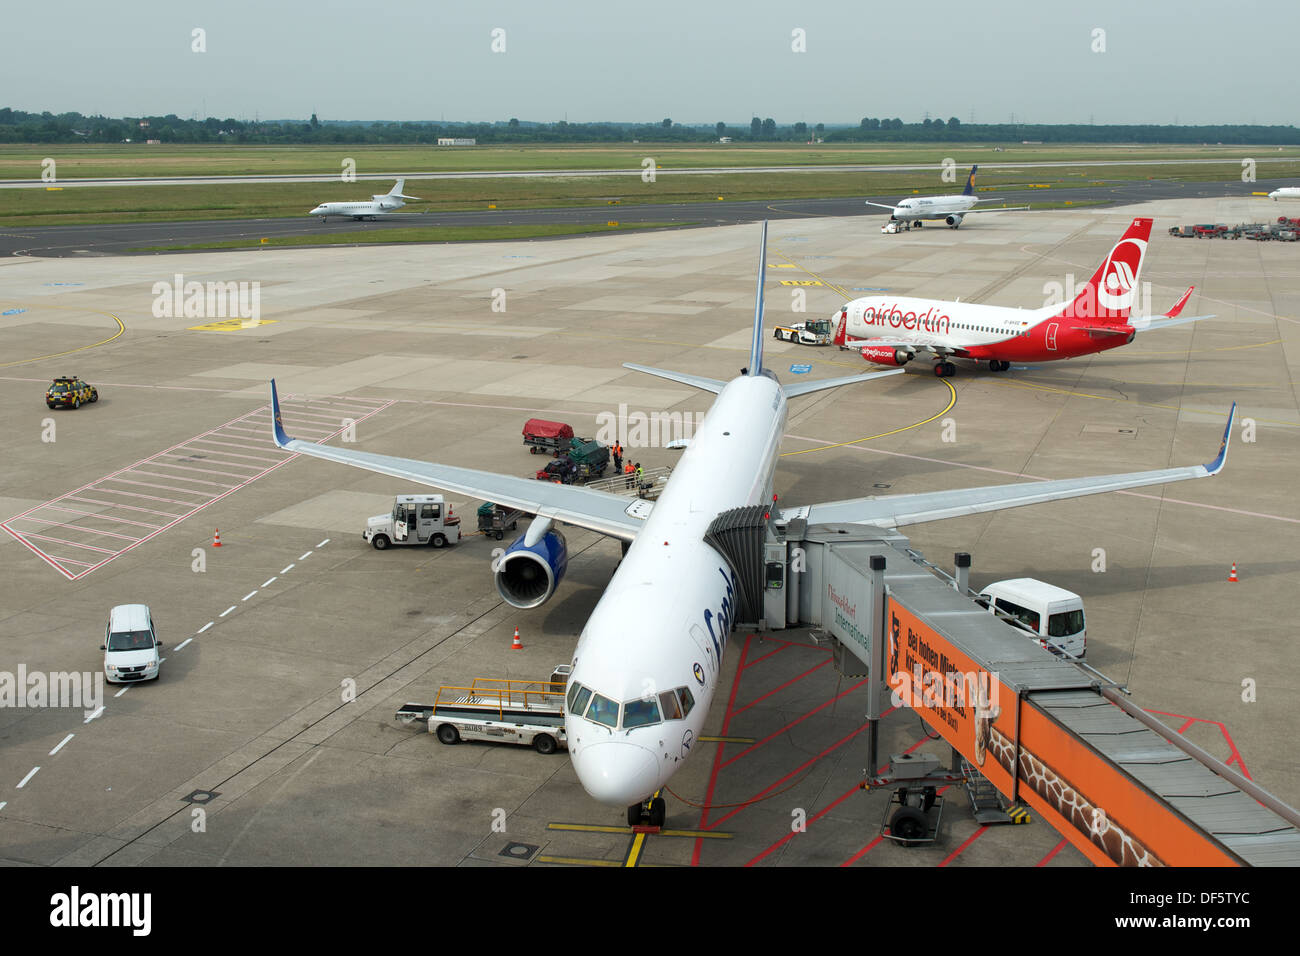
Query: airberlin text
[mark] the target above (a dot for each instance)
(931, 320)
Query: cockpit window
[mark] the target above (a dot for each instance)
(640, 713)
(669, 706)
(578, 697)
(684, 695)
(603, 711)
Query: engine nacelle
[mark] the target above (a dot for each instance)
(527, 577)
(884, 356)
(954, 221)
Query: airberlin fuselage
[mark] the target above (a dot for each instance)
(979, 331)
(663, 623)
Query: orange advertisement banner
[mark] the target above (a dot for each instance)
(1110, 817)
(959, 699)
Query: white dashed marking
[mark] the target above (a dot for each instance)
(227, 611)
(302, 557)
(28, 777)
(270, 581)
(183, 643)
(206, 626)
(249, 595)
(61, 743)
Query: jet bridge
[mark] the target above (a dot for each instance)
(1045, 730)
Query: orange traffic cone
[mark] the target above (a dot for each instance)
(216, 538)
(1232, 575)
(516, 646)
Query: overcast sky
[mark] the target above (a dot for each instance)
(1164, 61)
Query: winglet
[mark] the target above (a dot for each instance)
(1178, 306)
(1216, 466)
(277, 426)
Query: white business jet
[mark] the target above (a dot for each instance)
(378, 206)
(650, 657)
(951, 209)
(1286, 192)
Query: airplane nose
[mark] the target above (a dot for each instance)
(617, 773)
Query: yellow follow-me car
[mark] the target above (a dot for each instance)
(68, 390)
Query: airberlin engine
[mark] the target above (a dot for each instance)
(883, 356)
(528, 574)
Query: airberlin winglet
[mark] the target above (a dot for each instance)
(1178, 306)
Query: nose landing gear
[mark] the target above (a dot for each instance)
(647, 813)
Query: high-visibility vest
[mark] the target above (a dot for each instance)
(628, 469)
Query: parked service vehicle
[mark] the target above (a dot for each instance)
(498, 710)
(816, 332)
(415, 519)
(1054, 614)
(541, 435)
(68, 391)
(130, 645)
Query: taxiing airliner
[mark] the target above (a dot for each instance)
(650, 657)
(1286, 192)
(951, 209)
(895, 330)
(378, 205)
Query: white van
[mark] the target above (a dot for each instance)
(1054, 614)
(130, 645)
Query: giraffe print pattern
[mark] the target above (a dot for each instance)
(1107, 835)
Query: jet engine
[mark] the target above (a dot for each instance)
(954, 221)
(527, 575)
(884, 356)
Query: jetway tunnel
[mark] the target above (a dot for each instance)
(1046, 731)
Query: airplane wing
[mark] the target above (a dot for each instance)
(878, 205)
(600, 511)
(895, 511)
(695, 381)
(993, 209)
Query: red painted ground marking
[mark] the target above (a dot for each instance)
(969, 840)
(52, 514)
(809, 822)
(799, 677)
(717, 756)
(780, 780)
(768, 654)
(1051, 853)
(1223, 729)
(797, 720)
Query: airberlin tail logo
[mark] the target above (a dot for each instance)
(1120, 274)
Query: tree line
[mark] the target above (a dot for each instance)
(17, 126)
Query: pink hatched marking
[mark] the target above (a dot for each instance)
(59, 563)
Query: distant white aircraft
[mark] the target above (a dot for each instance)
(649, 659)
(378, 206)
(951, 209)
(1286, 192)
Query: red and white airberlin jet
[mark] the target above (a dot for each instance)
(894, 331)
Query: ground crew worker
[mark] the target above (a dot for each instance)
(630, 472)
(639, 474)
(618, 457)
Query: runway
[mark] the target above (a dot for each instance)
(123, 239)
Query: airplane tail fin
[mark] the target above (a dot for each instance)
(396, 192)
(1108, 295)
(842, 328)
(756, 343)
(970, 183)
